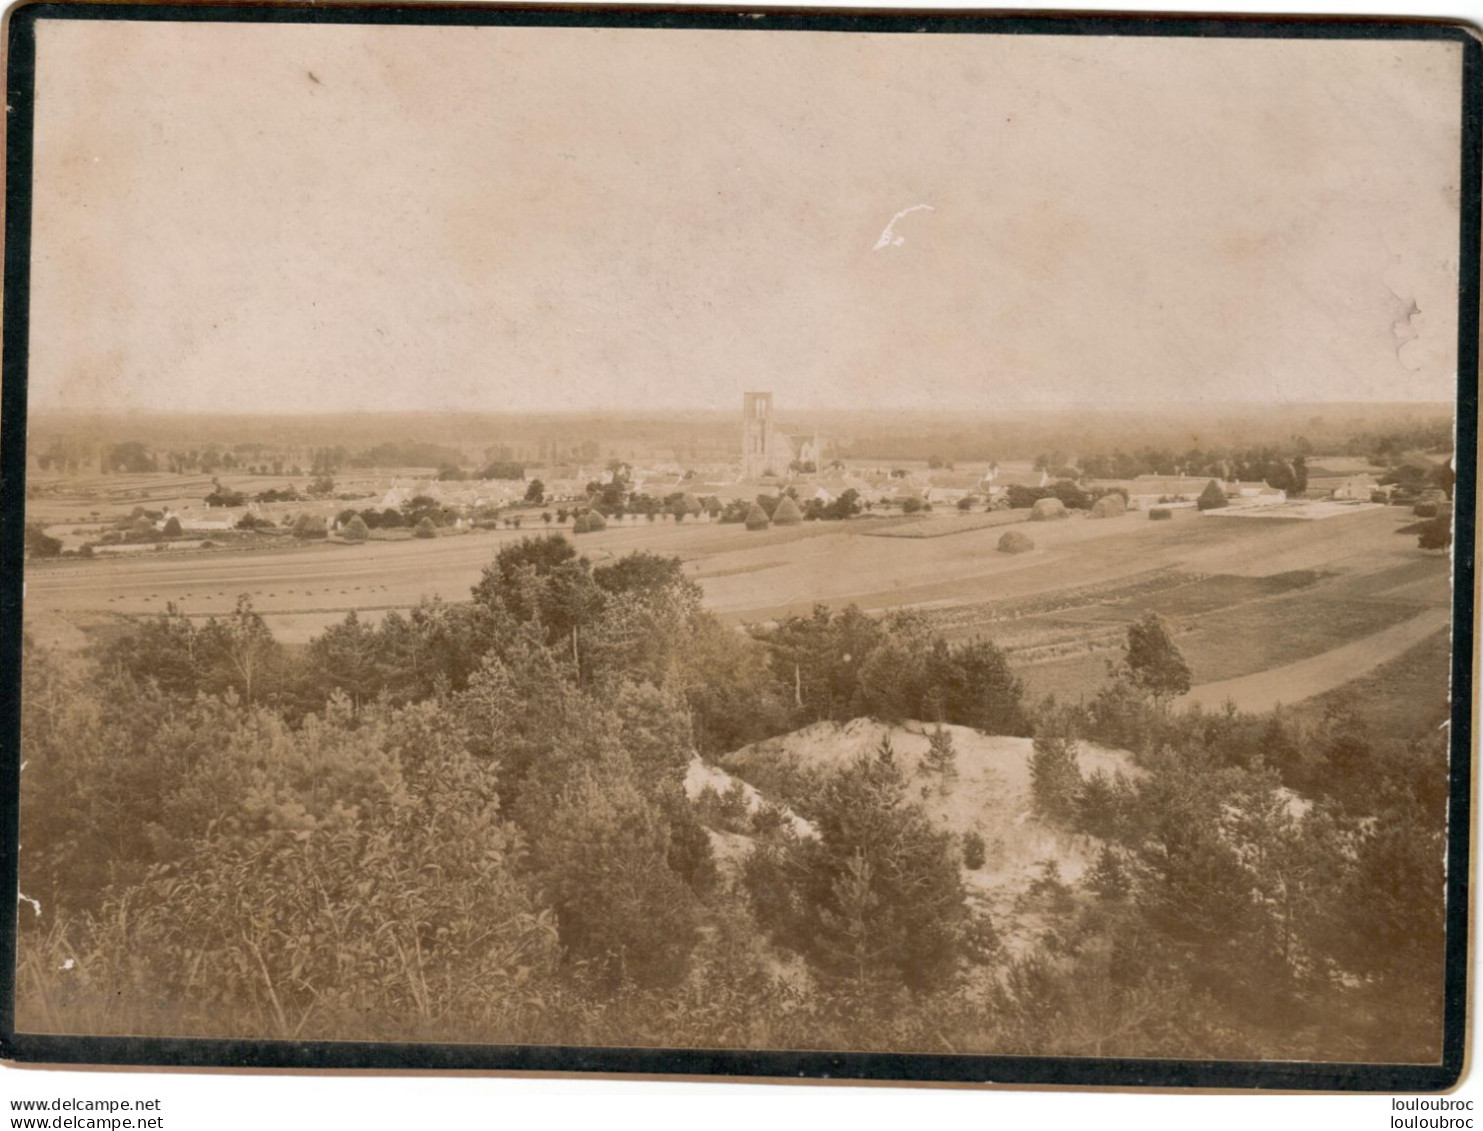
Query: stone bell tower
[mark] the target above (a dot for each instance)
(758, 445)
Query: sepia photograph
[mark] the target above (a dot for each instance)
(875, 545)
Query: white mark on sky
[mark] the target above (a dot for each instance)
(889, 238)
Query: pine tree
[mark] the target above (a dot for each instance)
(942, 757)
(1055, 777)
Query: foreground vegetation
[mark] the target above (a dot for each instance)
(469, 823)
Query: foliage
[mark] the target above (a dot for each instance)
(40, 544)
(467, 822)
(876, 901)
(942, 757)
(975, 852)
(1436, 534)
(1055, 777)
(1152, 661)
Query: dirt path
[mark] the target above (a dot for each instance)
(1295, 682)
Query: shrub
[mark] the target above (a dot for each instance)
(787, 513)
(1160, 513)
(1046, 510)
(1212, 497)
(1420, 510)
(40, 544)
(757, 518)
(877, 901)
(1055, 777)
(1436, 534)
(942, 756)
(1015, 542)
(974, 851)
(728, 811)
(425, 529)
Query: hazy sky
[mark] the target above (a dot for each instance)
(321, 218)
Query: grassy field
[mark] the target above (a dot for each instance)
(1242, 597)
(1405, 696)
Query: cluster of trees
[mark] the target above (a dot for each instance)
(40, 544)
(1072, 495)
(1285, 469)
(468, 822)
(846, 505)
(131, 457)
(206, 461)
(406, 453)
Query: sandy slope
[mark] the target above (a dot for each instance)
(991, 795)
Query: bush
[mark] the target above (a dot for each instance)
(974, 851)
(1160, 513)
(40, 544)
(1212, 497)
(1015, 542)
(1420, 510)
(757, 518)
(1436, 534)
(425, 529)
(1055, 777)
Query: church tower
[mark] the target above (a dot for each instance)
(757, 435)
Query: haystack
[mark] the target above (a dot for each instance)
(589, 521)
(1109, 506)
(1015, 542)
(1212, 497)
(1046, 509)
(757, 518)
(787, 513)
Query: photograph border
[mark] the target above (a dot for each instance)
(20, 37)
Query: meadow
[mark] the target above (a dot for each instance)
(1241, 597)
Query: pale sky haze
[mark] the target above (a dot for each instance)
(297, 218)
